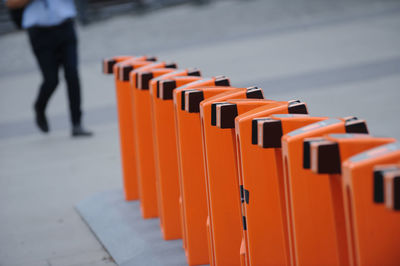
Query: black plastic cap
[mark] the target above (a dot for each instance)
(183, 100)
(396, 193)
(379, 191)
(222, 81)
(271, 133)
(137, 80)
(214, 114)
(151, 59)
(108, 65)
(254, 93)
(194, 98)
(146, 77)
(297, 107)
(328, 158)
(226, 115)
(170, 65)
(125, 72)
(356, 126)
(307, 151)
(254, 130)
(194, 72)
(166, 89)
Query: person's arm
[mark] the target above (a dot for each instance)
(16, 3)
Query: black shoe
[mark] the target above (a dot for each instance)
(79, 131)
(41, 121)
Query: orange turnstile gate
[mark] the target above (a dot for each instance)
(312, 232)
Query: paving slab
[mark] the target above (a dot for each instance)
(130, 239)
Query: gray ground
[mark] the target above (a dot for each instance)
(341, 57)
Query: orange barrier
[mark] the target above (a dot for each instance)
(312, 232)
(192, 181)
(143, 138)
(261, 178)
(207, 117)
(165, 134)
(372, 230)
(301, 197)
(271, 194)
(249, 159)
(167, 91)
(391, 182)
(165, 131)
(165, 157)
(225, 118)
(224, 223)
(125, 117)
(325, 156)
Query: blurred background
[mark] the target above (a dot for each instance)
(342, 57)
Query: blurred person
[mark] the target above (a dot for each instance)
(53, 40)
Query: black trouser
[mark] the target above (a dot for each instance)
(54, 47)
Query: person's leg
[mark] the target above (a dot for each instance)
(44, 49)
(69, 60)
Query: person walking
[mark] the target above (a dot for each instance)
(53, 40)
